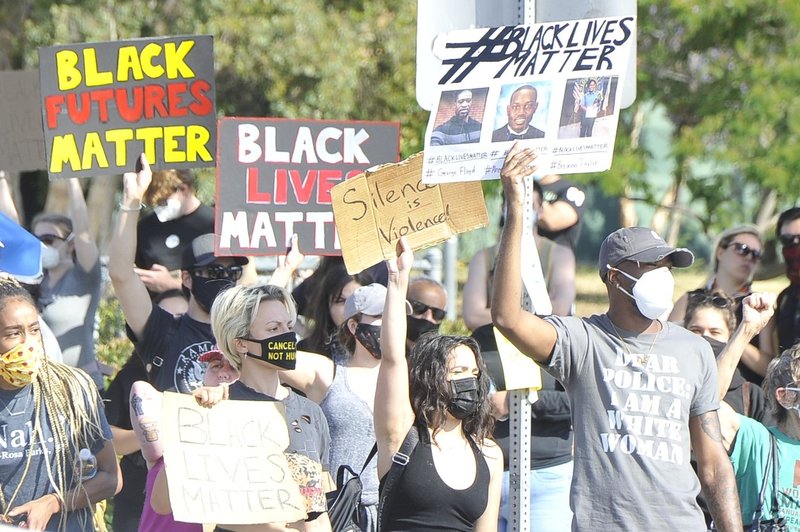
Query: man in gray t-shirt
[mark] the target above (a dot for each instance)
(643, 390)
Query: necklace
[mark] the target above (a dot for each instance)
(641, 359)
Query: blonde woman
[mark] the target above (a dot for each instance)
(49, 412)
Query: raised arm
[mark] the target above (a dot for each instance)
(287, 265)
(530, 334)
(757, 309)
(129, 288)
(393, 414)
(85, 246)
(476, 311)
(557, 216)
(312, 375)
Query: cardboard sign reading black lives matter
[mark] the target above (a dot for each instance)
(105, 103)
(274, 178)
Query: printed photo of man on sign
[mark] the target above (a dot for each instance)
(105, 103)
(275, 176)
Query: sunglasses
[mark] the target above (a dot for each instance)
(701, 297)
(49, 240)
(218, 271)
(745, 250)
(790, 241)
(418, 307)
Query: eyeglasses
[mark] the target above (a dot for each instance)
(745, 250)
(699, 297)
(49, 240)
(418, 307)
(218, 271)
(792, 389)
(790, 241)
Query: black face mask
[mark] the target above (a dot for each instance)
(370, 337)
(464, 400)
(279, 350)
(206, 290)
(418, 326)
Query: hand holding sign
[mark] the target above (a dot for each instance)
(135, 184)
(517, 166)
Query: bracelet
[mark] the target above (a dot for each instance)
(123, 208)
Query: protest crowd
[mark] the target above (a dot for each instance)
(331, 400)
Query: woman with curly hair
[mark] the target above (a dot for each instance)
(49, 412)
(453, 475)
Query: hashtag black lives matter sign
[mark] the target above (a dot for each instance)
(554, 87)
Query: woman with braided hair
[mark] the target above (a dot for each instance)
(48, 413)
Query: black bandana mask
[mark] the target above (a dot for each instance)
(418, 326)
(206, 290)
(370, 337)
(465, 396)
(279, 350)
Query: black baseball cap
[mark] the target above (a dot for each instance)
(201, 253)
(640, 244)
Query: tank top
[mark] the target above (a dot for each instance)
(422, 501)
(352, 433)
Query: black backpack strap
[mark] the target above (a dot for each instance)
(371, 454)
(399, 461)
(776, 512)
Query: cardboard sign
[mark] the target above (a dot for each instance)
(274, 178)
(555, 87)
(226, 464)
(21, 138)
(105, 103)
(375, 209)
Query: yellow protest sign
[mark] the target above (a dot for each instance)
(226, 464)
(520, 372)
(373, 210)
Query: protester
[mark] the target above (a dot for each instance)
(326, 311)
(711, 316)
(736, 256)
(461, 128)
(784, 330)
(69, 293)
(646, 388)
(452, 477)
(750, 443)
(246, 322)
(177, 218)
(428, 300)
(169, 345)
(49, 412)
(345, 390)
(551, 455)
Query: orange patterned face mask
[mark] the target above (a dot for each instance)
(19, 365)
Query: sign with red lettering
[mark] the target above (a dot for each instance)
(274, 178)
(105, 103)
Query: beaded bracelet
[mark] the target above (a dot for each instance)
(123, 208)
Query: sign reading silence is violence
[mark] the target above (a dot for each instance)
(105, 103)
(274, 179)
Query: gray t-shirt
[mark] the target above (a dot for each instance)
(16, 431)
(632, 397)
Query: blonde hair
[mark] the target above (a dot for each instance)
(233, 313)
(70, 400)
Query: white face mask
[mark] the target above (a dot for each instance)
(652, 292)
(168, 212)
(50, 257)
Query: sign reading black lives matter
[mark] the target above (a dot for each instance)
(274, 178)
(105, 103)
(555, 87)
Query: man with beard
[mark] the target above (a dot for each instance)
(169, 346)
(520, 111)
(461, 128)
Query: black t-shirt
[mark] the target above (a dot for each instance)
(788, 317)
(176, 343)
(163, 242)
(565, 190)
(117, 405)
